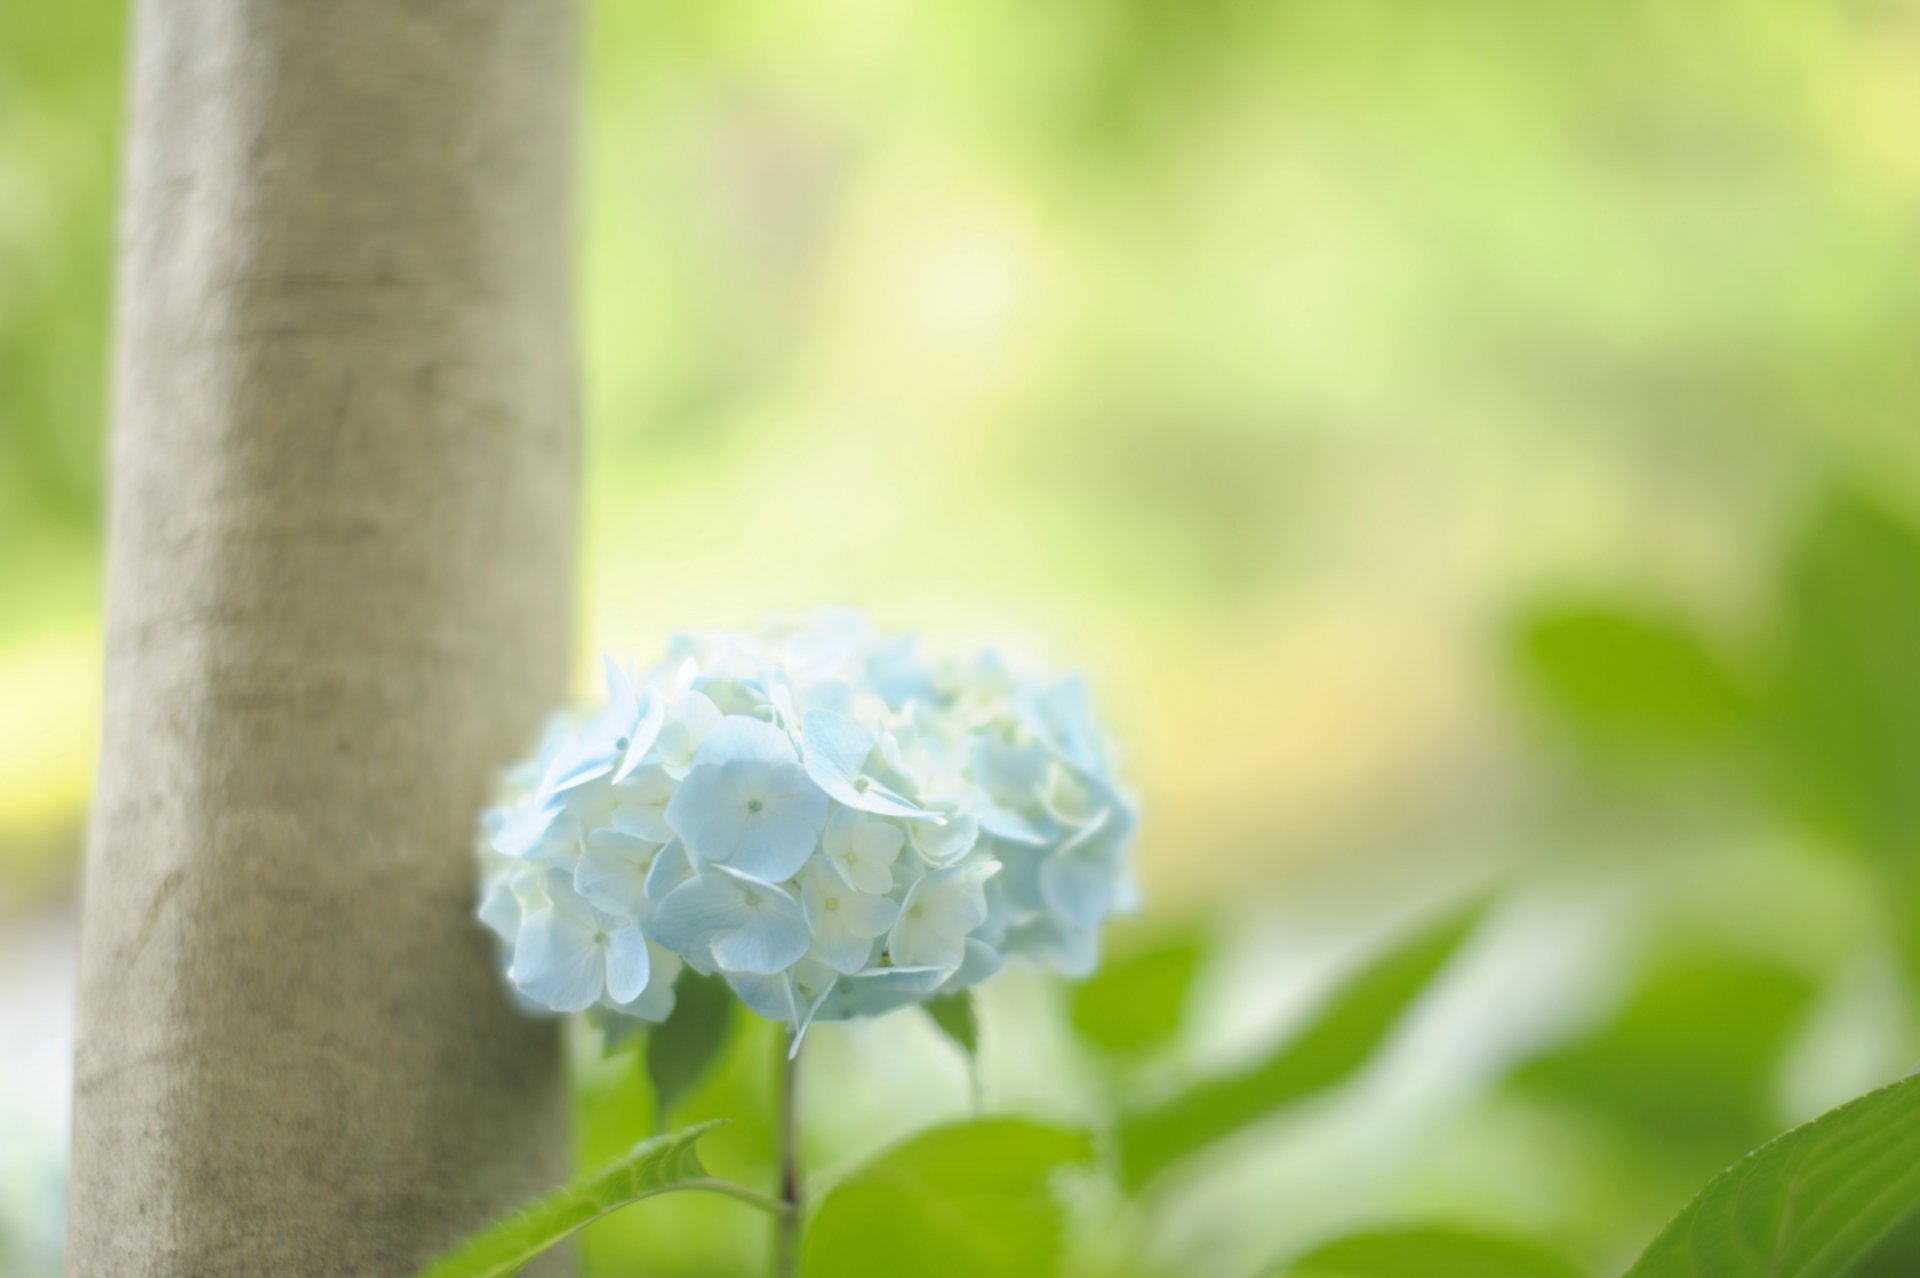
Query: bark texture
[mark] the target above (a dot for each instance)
(339, 594)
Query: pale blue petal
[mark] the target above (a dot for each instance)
(646, 729)
(772, 938)
(670, 869)
(917, 981)
(708, 810)
(836, 749)
(1004, 824)
(628, 964)
(773, 843)
(690, 717)
(937, 915)
(1065, 718)
(656, 1004)
(556, 962)
(526, 824)
(612, 872)
(835, 743)
(767, 996)
(1068, 950)
(622, 698)
(1012, 774)
(741, 737)
(703, 905)
(981, 962)
(843, 952)
(578, 763)
(943, 843)
(500, 908)
(861, 851)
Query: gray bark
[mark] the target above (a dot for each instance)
(339, 594)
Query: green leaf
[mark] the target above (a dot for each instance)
(1342, 1035)
(1846, 715)
(1432, 1251)
(1690, 1062)
(958, 1019)
(682, 1048)
(1815, 1203)
(1137, 1000)
(654, 1166)
(1628, 681)
(953, 1202)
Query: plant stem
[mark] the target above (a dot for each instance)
(786, 1225)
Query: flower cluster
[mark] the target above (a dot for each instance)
(836, 825)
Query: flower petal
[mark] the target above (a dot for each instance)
(836, 749)
(628, 964)
(739, 737)
(702, 906)
(612, 872)
(556, 962)
(773, 937)
(647, 723)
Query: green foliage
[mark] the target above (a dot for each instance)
(1817, 1203)
(959, 1019)
(1626, 682)
(655, 1166)
(1846, 709)
(1341, 1036)
(1136, 1001)
(953, 1202)
(682, 1048)
(1690, 1062)
(1432, 1251)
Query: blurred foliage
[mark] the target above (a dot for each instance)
(1631, 687)
(1464, 439)
(1433, 1252)
(1137, 999)
(1342, 1035)
(1689, 1063)
(1847, 702)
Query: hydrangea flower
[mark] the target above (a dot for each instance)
(834, 823)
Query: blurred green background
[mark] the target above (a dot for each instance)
(1466, 444)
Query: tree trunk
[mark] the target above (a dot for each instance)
(339, 597)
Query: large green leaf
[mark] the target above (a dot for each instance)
(682, 1048)
(1430, 1251)
(1816, 1203)
(1846, 711)
(1138, 998)
(1628, 681)
(1344, 1033)
(654, 1166)
(953, 1202)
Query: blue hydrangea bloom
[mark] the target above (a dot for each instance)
(832, 822)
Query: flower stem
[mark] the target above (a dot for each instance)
(786, 1225)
